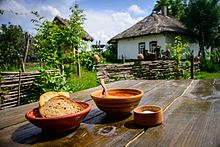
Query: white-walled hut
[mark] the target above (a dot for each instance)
(153, 31)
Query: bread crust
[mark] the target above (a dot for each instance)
(48, 95)
(59, 106)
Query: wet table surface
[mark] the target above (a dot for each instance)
(191, 118)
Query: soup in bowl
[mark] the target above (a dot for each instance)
(118, 101)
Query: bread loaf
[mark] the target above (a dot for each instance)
(59, 106)
(48, 95)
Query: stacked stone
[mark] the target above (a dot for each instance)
(137, 70)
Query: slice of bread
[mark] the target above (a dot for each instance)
(59, 106)
(48, 95)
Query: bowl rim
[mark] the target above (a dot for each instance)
(138, 107)
(87, 109)
(134, 89)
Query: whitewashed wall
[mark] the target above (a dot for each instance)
(195, 48)
(129, 47)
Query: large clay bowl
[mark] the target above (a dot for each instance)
(118, 105)
(60, 123)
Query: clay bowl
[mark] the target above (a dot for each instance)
(59, 123)
(121, 101)
(148, 115)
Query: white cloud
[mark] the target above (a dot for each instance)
(51, 10)
(136, 10)
(103, 25)
(13, 6)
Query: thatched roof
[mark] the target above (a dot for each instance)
(153, 24)
(59, 20)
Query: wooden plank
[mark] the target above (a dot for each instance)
(8, 96)
(13, 85)
(87, 134)
(17, 80)
(9, 103)
(9, 106)
(193, 120)
(13, 73)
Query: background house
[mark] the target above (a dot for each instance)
(154, 30)
(61, 21)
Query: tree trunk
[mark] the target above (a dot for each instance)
(27, 36)
(203, 48)
(78, 65)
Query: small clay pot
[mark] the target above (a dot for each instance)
(148, 115)
(140, 57)
(96, 59)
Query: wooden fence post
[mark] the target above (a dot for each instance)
(192, 64)
(19, 89)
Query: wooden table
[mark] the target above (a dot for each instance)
(191, 118)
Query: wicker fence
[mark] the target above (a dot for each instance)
(15, 86)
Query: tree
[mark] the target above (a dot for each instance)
(12, 44)
(175, 7)
(58, 42)
(202, 18)
(159, 4)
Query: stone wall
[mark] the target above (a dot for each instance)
(137, 70)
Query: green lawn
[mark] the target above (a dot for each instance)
(206, 75)
(87, 80)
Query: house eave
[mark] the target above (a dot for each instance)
(117, 39)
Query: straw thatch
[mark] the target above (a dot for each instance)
(62, 21)
(153, 24)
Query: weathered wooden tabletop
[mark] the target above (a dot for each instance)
(191, 118)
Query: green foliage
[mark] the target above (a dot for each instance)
(87, 80)
(11, 46)
(211, 64)
(58, 42)
(175, 7)
(202, 18)
(50, 81)
(178, 51)
(186, 64)
(111, 54)
(163, 76)
(186, 74)
(159, 4)
(86, 59)
(206, 75)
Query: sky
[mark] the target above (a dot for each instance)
(104, 18)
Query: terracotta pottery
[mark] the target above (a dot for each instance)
(140, 57)
(96, 58)
(120, 100)
(148, 115)
(60, 123)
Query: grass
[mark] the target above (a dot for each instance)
(87, 80)
(206, 76)
(28, 67)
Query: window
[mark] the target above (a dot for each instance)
(152, 46)
(141, 47)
